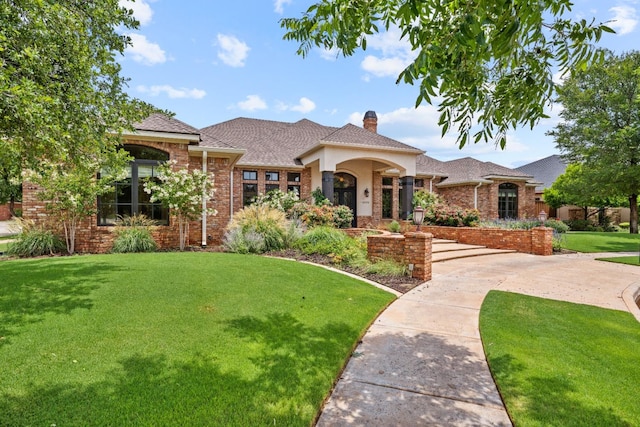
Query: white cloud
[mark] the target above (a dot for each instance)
(252, 103)
(305, 105)
(624, 19)
(396, 54)
(144, 51)
(233, 52)
(172, 92)
(141, 10)
(278, 5)
(329, 54)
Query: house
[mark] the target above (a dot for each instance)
(354, 166)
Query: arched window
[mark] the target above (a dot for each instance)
(128, 196)
(508, 201)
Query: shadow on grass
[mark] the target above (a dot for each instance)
(548, 400)
(30, 290)
(294, 370)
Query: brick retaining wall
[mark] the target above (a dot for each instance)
(537, 241)
(5, 214)
(413, 249)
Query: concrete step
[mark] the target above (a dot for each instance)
(452, 246)
(466, 253)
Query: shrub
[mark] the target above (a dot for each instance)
(426, 199)
(273, 227)
(324, 215)
(332, 242)
(133, 234)
(342, 216)
(394, 226)
(34, 240)
(278, 199)
(580, 225)
(451, 216)
(318, 197)
(624, 225)
(526, 224)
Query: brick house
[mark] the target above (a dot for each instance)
(355, 166)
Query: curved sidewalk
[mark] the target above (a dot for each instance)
(422, 361)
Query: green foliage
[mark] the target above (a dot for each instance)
(488, 61)
(426, 199)
(318, 197)
(133, 234)
(624, 225)
(451, 216)
(34, 240)
(258, 229)
(599, 128)
(60, 84)
(278, 199)
(330, 241)
(525, 224)
(319, 215)
(182, 191)
(394, 226)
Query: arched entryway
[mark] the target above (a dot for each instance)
(344, 192)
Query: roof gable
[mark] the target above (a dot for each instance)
(468, 170)
(158, 122)
(545, 170)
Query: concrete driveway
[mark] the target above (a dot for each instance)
(422, 361)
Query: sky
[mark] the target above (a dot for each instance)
(213, 61)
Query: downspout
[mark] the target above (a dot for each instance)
(231, 193)
(204, 201)
(431, 184)
(475, 196)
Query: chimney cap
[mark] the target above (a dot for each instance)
(370, 115)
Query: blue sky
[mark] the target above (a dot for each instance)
(211, 61)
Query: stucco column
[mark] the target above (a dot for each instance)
(327, 185)
(407, 196)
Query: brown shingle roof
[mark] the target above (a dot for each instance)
(354, 135)
(426, 165)
(468, 170)
(159, 122)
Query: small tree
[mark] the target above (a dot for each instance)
(70, 193)
(182, 191)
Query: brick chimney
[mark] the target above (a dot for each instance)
(371, 121)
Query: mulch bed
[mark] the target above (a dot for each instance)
(401, 284)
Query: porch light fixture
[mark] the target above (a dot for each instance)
(418, 216)
(542, 216)
(366, 192)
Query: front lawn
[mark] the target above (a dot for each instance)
(174, 339)
(562, 364)
(586, 241)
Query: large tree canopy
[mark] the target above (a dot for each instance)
(61, 92)
(601, 126)
(490, 61)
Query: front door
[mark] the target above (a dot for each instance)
(344, 192)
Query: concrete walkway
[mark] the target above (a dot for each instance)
(422, 361)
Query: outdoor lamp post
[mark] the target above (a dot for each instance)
(418, 216)
(542, 216)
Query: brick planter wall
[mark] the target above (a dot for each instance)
(537, 241)
(5, 214)
(412, 248)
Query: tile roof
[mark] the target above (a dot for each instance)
(159, 122)
(545, 170)
(468, 170)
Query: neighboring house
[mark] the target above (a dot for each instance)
(354, 166)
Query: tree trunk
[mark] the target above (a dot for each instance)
(586, 212)
(633, 216)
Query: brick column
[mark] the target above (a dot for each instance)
(417, 251)
(542, 241)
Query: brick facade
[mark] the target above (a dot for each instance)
(413, 249)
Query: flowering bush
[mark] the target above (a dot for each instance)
(451, 216)
(182, 191)
(314, 215)
(278, 199)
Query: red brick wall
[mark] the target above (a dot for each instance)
(537, 241)
(412, 249)
(5, 213)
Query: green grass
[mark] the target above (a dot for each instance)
(585, 241)
(562, 364)
(174, 339)
(629, 260)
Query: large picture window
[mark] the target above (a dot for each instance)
(128, 196)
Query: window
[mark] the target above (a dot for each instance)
(294, 188)
(387, 181)
(419, 183)
(128, 196)
(293, 176)
(272, 176)
(271, 187)
(249, 191)
(250, 175)
(387, 195)
(507, 201)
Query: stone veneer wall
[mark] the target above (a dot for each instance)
(537, 241)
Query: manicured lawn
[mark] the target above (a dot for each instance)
(629, 260)
(562, 364)
(586, 241)
(174, 339)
